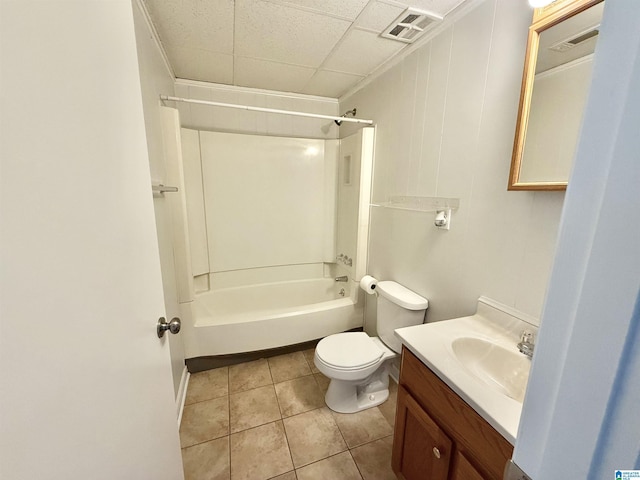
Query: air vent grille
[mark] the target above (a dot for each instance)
(575, 40)
(410, 25)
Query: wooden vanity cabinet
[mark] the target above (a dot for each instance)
(437, 435)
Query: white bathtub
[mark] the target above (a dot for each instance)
(270, 315)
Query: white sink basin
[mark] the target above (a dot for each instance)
(477, 357)
(503, 370)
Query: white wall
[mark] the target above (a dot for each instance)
(156, 79)
(445, 118)
(200, 117)
(557, 106)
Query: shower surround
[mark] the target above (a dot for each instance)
(266, 217)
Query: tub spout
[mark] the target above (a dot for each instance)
(342, 278)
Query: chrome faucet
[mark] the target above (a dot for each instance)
(527, 344)
(342, 278)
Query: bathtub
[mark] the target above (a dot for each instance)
(269, 315)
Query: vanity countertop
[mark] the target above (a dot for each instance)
(432, 344)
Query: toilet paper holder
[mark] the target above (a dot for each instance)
(369, 284)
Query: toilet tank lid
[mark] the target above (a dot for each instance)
(402, 296)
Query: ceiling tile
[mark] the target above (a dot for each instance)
(274, 32)
(347, 9)
(379, 16)
(441, 7)
(196, 64)
(194, 23)
(330, 84)
(251, 72)
(361, 53)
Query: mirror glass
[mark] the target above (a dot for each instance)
(557, 91)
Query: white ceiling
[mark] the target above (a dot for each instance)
(317, 47)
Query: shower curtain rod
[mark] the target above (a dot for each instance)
(267, 110)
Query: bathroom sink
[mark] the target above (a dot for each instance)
(478, 358)
(503, 370)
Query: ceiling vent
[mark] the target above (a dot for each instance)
(410, 25)
(575, 40)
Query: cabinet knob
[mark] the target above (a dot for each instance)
(436, 452)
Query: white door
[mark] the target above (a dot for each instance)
(86, 390)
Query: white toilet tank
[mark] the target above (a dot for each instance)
(397, 307)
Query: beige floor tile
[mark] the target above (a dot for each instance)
(204, 421)
(374, 459)
(207, 385)
(252, 408)
(362, 427)
(388, 408)
(308, 355)
(338, 467)
(289, 366)
(286, 476)
(260, 453)
(246, 376)
(323, 382)
(207, 461)
(313, 436)
(299, 395)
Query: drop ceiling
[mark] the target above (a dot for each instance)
(316, 47)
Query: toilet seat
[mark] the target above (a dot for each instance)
(348, 351)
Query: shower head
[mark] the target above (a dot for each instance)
(351, 112)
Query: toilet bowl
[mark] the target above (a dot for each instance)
(357, 364)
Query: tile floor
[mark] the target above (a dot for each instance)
(267, 420)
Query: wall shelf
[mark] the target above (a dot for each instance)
(420, 204)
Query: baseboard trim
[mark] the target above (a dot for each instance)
(182, 393)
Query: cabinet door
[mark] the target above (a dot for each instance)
(421, 451)
(463, 470)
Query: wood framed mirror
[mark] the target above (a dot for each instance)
(555, 84)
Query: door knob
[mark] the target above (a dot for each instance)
(173, 326)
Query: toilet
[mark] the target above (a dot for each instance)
(357, 364)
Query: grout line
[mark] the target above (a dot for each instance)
(229, 443)
(277, 397)
(270, 373)
(252, 388)
(356, 464)
(323, 459)
(280, 474)
(339, 429)
(206, 441)
(286, 439)
(229, 414)
(205, 400)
